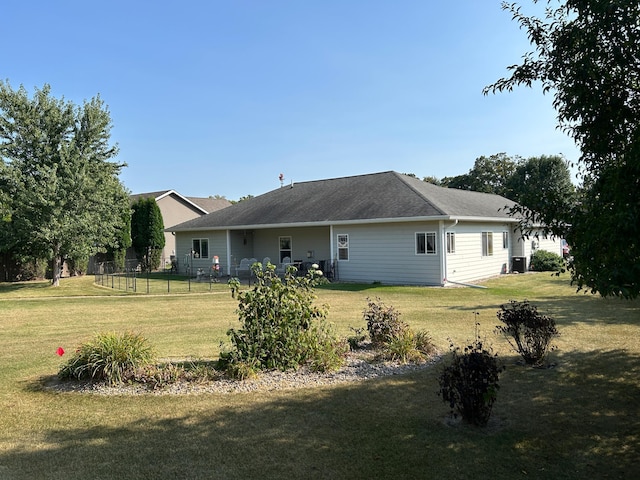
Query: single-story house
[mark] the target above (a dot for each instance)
(383, 227)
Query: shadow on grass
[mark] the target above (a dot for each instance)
(578, 420)
(351, 287)
(567, 310)
(9, 287)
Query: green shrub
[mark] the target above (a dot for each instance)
(543, 261)
(109, 356)
(282, 328)
(469, 383)
(393, 337)
(527, 331)
(383, 322)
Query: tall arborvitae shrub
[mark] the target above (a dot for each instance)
(147, 232)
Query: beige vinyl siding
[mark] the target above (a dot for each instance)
(174, 211)
(387, 253)
(468, 264)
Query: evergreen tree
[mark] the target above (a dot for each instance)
(147, 232)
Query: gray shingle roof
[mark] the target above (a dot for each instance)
(206, 204)
(210, 204)
(376, 197)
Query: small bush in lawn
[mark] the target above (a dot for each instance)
(469, 383)
(543, 261)
(383, 322)
(109, 356)
(281, 326)
(528, 332)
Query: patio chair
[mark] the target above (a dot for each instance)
(244, 267)
(282, 268)
(265, 261)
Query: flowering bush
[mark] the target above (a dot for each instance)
(282, 328)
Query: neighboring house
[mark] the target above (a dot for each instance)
(176, 208)
(383, 227)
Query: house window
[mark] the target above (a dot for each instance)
(200, 247)
(425, 243)
(343, 247)
(285, 248)
(451, 242)
(487, 244)
(505, 239)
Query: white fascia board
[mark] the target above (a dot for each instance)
(485, 219)
(352, 222)
(183, 198)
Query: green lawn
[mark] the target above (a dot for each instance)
(579, 419)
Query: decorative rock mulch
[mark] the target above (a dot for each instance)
(360, 365)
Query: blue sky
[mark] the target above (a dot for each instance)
(220, 97)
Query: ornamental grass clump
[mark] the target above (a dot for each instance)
(111, 357)
(528, 332)
(282, 328)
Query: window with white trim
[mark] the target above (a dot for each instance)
(343, 246)
(200, 247)
(505, 240)
(425, 243)
(451, 242)
(285, 248)
(487, 244)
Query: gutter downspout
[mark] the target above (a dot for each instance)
(331, 246)
(445, 253)
(229, 252)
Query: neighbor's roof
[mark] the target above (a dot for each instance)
(205, 205)
(377, 197)
(210, 204)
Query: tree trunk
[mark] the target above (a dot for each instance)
(57, 270)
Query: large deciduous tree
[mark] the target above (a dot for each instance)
(488, 175)
(587, 54)
(543, 190)
(66, 198)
